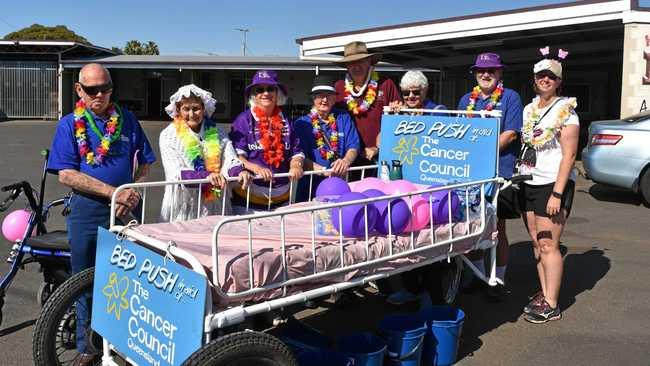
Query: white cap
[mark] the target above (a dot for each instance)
(549, 64)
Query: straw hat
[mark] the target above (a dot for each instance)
(355, 51)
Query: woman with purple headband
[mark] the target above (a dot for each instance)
(550, 137)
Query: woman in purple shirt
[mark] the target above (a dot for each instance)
(266, 143)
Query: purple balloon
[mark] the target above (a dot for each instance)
(440, 206)
(332, 186)
(353, 217)
(400, 214)
(373, 193)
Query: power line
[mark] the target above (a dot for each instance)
(8, 24)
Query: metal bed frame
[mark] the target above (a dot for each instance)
(220, 318)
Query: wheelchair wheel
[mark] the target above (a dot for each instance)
(450, 278)
(55, 332)
(44, 292)
(245, 348)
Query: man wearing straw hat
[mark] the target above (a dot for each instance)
(364, 94)
(489, 94)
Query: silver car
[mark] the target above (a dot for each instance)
(618, 153)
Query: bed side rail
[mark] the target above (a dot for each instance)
(285, 216)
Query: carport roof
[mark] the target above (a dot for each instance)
(216, 63)
(66, 49)
(582, 26)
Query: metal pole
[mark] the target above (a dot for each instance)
(243, 45)
(60, 89)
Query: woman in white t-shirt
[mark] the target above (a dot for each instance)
(550, 133)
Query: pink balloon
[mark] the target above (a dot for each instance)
(15, 224)
(400, 186)
(369, 183)
(420, 214)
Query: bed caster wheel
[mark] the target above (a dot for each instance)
(245, 348)
(43, 293)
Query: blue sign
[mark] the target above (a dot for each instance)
(152, 311)
(440, 149)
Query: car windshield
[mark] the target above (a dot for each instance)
(637, 117)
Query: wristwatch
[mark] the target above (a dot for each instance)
(556, 194)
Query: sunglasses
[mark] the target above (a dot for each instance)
(549, 75)
(96, 89)
(489, 71)
(262, 89)
(407, 93)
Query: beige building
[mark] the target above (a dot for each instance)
(608, 44)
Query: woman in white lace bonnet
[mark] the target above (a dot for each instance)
(192, 147)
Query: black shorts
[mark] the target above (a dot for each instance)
(508, 206)
(535, 197)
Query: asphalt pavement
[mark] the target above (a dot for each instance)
(605, 296)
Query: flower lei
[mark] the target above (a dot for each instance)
(271, 136)
(535, 136)
(494, 98)
(112, 131)
(204, 157)
(371, 94)
(330, 152)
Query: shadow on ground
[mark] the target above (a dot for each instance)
(602, 192)
(363, 310)
(483, 316)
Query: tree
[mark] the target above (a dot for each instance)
(135, 47)
(37, 32)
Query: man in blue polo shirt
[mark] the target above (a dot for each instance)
(327, 136)
(489, 94)
(96, 149)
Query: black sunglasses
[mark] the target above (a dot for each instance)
(262, 89)
(489, 71)
(407, 93)
(549, 75)
(96, 89)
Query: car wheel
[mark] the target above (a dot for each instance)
(644, 186)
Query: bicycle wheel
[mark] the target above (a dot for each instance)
(55, 333)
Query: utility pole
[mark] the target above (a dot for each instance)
(243, 42)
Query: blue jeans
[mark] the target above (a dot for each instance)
(85, 216)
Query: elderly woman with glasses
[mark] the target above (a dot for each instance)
(414, 86)
(265, 142)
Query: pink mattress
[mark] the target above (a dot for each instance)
(194, 236)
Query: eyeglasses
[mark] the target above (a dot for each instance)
(542, 75)
(93, 90)
(262, 89)
(483, 71)
(407, 93)
(323, 95)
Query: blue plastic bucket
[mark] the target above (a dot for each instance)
(444, 324)
(311, 347)
(404, 335)
(365, 348)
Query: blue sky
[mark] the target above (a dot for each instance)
(202, 27)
